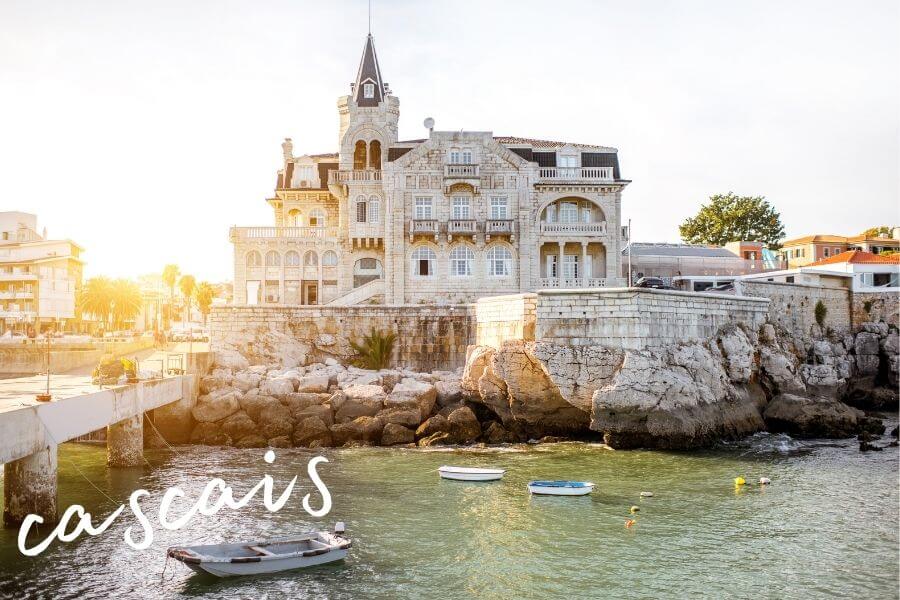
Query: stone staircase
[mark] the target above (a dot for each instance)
(360, 294)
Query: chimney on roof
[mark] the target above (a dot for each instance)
(287, 148)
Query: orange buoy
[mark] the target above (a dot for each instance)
(629, 523)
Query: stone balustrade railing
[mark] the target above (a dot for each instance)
(577, 228)
(576, 173)
(461, 171)
(264, 233)
(349, 175)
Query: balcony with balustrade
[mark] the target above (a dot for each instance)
(576, 174)
(500, 227)
(248, 234)
(573, 217)
(340, 180)
(423, 227)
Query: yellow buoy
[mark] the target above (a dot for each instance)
(634, 509)
(739, 481)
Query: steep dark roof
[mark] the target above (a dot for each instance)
(394, 152)
(369, 72)
(324, 167)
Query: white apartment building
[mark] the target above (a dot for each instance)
(447, 218)
(38, 277)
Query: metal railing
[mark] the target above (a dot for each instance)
(576, 173)
(345, 175)
(597, 228)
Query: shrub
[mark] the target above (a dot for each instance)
(375, 350)
(821, 313)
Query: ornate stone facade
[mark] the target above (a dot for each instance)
(446, 219)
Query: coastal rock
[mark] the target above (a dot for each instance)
(210, 383)
(313, 384)
(365, 430)
(230, 359)
(278, 386)
(216, 407)
(238, 426)
(358, 377)
(436, 439)
(246, 380)
(253, 405)
(448, 392)
(409, 391)
(866, 343)
(209, 434)
(300, 400)
(867, 365)
(495, 433)
(312, 432)
(407, 417)
(357, 401)
(275, 420)
(389, 378)
(481, 384)
(394, 434)
(823, 380)
(252, 441)
(322, 411)
(282, 441)
(802, 416)
(738, 354)
(435, 424)
(464, 426)
(780, 371)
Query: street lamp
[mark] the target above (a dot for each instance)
(46, 397)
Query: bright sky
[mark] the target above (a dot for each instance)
(144, 129)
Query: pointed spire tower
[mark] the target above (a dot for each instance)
(369, 88)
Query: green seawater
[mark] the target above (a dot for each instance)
(827, 526)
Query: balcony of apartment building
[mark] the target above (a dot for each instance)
(17, 274)
(462, 169)
(367, 157)
(573, 174)
(572, 217)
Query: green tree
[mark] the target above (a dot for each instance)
(170, 275)
(375, 350)
(204, 295)
(127, 302)
(186, 284)
(874, 232)
(96, 299)
(728, 218)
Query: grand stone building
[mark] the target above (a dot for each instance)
(446, 219)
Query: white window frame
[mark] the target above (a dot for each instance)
(362, 209)
(424, 208)
(467, 156)
(454, 156)
(368, 90)
(570, 266)
(499, 207)
(499, 261)
(423, 253)
(329, 258)
(317, 217)
(461, 260)
(568, 212)
(289, 260)
(374, 212)
(462, 207)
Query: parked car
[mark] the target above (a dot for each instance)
(654, 283)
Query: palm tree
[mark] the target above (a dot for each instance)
(170, 275)
(127, 302)
(187, 284)
(204, 296)
(97, 298)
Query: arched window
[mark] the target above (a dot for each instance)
(292, 258)
(329, 259)
(499, 261)
(374, 209)
(361, 209)
(311, 259)
(317, 218)
(423, 261)
(359, 155)
(461, 259)
(273, 259)
(294, 218)
(375, 154)
(254, 259)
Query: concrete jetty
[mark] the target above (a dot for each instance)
(30, 433)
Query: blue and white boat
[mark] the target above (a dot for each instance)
(561, 488)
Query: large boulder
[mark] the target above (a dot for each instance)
(254, 440)
(246, 381)
(866, 343)
(277, 386)
(322, 411)
(412, 392)
(312, 432)
(313, 384)
(357, 401)
(215, 407)
(780, 371)
(435, 424)
(218, 379)
(254, 404)
(209, 434)
(394, 434)
(230, 359)
(464, 426)
(810, 417)
(823, 380)
(448, 392)
(361, 430)
(238, 426)
(495, 433)
(407, 417)
(275, 420)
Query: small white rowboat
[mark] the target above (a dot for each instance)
(561, 488)
(470, 473)
(267, 556)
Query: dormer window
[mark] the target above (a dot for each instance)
(461, 157)
(368, 90)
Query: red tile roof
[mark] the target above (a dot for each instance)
(858, 257)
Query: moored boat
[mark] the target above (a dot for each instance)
(470, 473)
(265, 556)
(561, 488)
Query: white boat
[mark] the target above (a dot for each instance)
(266, 556)
(561, 488)
(470, 473)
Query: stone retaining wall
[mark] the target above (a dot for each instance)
(875, 306)
(428, 337)
(793, 306)
(501, 318)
